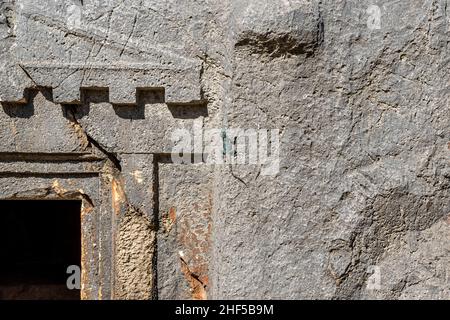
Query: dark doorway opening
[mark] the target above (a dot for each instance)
(39, 240)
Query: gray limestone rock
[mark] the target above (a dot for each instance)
(358, 91)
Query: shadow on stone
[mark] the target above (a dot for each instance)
(88, 96)
(144, 97)
(94, 95)
(17, 110)
(131, 112)
(150, 96)
(188, 111)
(25, 110)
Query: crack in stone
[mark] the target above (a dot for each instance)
(111, 156)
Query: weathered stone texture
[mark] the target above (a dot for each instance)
(361, 102)
(135, 246)
(185, 206)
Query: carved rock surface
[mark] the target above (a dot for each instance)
(360, 205)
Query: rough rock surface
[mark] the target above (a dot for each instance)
(358, 89)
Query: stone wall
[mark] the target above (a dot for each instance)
(358, 91)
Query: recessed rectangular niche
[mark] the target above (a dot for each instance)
(38, 241)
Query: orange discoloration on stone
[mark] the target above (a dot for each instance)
(80, 134)
(172, 214)
(118, 195)
(85, 293)
(194, 232)
(57, 188)
(86, 208)
(169, 219)
(196, 283)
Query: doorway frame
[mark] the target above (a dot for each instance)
(28, 176)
